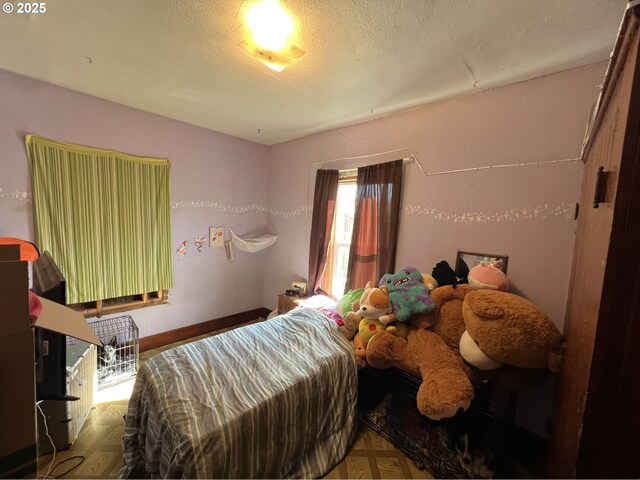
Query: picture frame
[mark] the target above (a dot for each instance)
(467, 260)
(300, 287)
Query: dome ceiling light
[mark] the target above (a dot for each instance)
(270, 40)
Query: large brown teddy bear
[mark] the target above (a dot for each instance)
(503, 328)
(431, 352)
(508, 328)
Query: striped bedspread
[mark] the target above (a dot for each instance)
(274, 399)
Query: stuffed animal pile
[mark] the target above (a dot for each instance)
(448, 335)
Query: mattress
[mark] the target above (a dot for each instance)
(275, 399)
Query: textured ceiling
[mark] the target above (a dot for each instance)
(365, 58)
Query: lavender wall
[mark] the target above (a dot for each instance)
(524, 212)
(206, 167)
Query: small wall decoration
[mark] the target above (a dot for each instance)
(241, 210)
(229, 249)
(300, 287)
(199, 241)
(19, 195)
(216, 236)
(182, 250)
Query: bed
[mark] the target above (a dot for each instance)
(274, 399)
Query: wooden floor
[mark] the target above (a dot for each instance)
(100, 444)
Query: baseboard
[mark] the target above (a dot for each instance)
(184, 333)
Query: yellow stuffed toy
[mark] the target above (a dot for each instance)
(367, 328)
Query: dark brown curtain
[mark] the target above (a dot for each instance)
(324, 205)
(375, 224)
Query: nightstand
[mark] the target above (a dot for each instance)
(289, 302)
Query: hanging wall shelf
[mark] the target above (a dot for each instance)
(252, 245)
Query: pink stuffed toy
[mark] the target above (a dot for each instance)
(486, 276)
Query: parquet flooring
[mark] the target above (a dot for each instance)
(99, 442)
(371, 456)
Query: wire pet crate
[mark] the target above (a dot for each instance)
(118, 359)
(469, 445)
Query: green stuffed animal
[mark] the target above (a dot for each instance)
(407, 293)
(345, 304)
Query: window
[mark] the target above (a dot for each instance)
(105, 218)
(342, 230)
(369, 207)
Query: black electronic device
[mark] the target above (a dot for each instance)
(48, 281)
(51, 347)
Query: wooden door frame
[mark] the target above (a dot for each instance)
(603, 443)
(611, 422)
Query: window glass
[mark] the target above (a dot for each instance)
(345, 208)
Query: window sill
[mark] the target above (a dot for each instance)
(124, 304)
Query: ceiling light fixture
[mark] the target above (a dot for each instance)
(271, 31)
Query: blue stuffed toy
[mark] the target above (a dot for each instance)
(407, 293)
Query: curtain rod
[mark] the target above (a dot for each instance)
(410, 159)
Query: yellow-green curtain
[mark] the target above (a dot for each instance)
(104, 216)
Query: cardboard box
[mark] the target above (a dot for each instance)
(18, 412)
(17, 367)
(61, 319)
